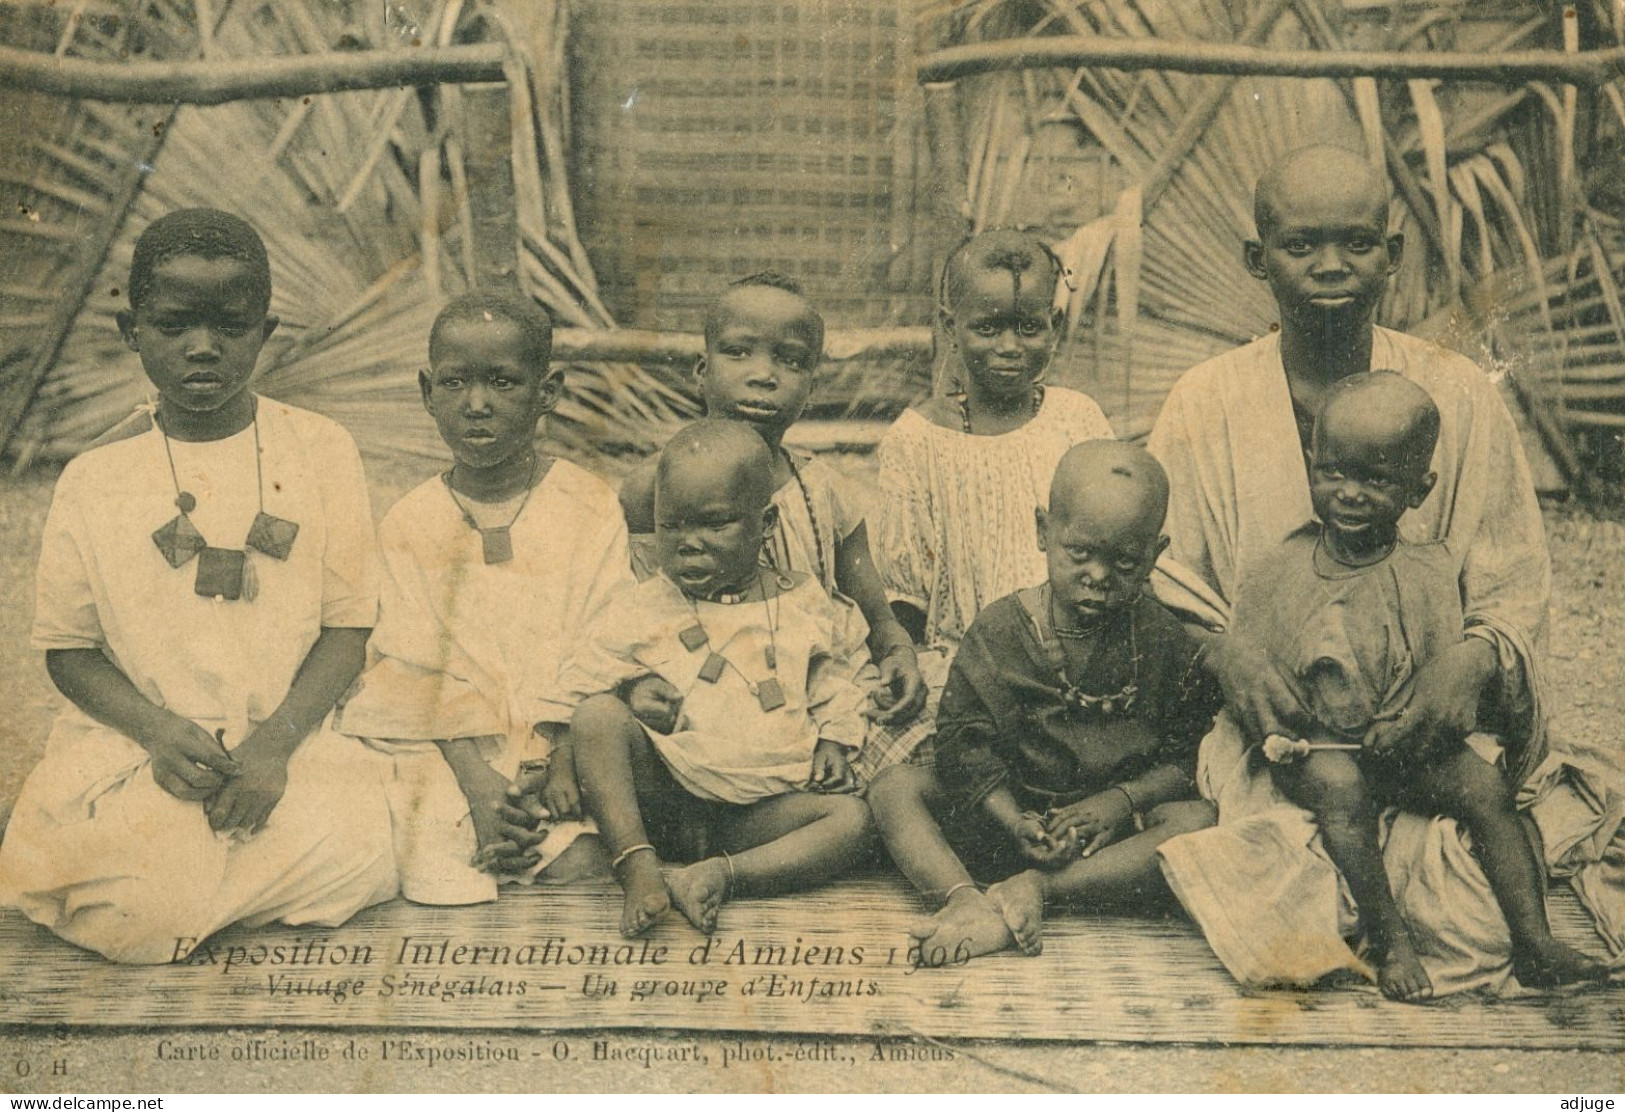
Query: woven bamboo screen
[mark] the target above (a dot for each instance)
(722, 137)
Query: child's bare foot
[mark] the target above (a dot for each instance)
(1551, 963)
(1020, 903)
(1400, 975)
(646, 896)
(967, 926)
(699, 889)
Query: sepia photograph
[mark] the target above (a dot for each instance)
(810, 546)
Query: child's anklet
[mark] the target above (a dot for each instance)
(621, 857)
(961, 886)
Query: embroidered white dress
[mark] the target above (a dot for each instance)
(469, 649)
(95, 850)
(956, 528)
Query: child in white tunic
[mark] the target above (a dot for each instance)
(748, 781)
(205, 589)
(492, 571)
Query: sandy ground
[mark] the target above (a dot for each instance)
(1587, 695)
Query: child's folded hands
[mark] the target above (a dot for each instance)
(187, 761)
(246, 800)
(486, 790)
(1038, 845)
(1092, 823)
(521, 827)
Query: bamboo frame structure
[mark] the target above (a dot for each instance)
(221, 80)
(1596, 67)
(679, 349)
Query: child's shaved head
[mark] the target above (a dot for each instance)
(713, 507)
(487, 305)
(1102, 533)
(1385, 409)
(723, 308)
(729, 454)
(1318, 171)
(1370, 460)
(207, 233)
(1027, 260)
(1110, 471)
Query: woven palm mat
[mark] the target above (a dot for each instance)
(833, 962)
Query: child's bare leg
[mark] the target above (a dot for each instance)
(1466, 787)
(613, 757)
(903, 799)
(1124, 875)
(797, 840)
(1334, 788)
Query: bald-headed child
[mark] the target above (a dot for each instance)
(764, 341)
(749, 783)
(1351, 612)
(1067, 736)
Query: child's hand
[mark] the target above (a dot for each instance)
(900, 695)
(831, 770)
(187, 762)
(486, 790)
(1256, 692)
(1093, 823)
(654, 702)
(246, 801)
(1037, 845)
(561, 795)
(522, 826)
(1443, 708)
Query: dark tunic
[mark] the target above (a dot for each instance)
(1006, 717)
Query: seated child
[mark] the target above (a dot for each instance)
(763, 342)
(1068, 730)
(205, 590)
(961, 475)
(493, 570)
(1351, 611)
(747, 783)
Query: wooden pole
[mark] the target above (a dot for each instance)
(679, 349)
(223, 80)
(1595, 67)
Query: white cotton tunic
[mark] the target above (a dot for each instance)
(956, 529)
(725, 747)
(469, 649)
(95, 850)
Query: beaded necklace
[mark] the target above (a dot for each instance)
(964, 406)
(812, 518)
(1039, 605)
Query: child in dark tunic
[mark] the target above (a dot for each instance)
(1068, 730)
